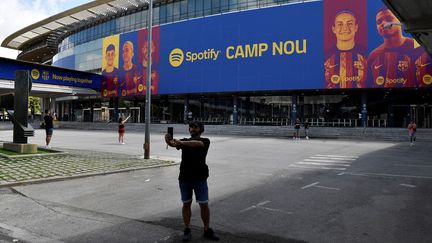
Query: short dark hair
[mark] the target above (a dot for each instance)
(385, 8)
(347, 12)
(197, 124)
(110, 47)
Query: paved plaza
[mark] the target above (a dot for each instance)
(261, 190)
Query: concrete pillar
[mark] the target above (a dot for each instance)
(52, 106)
(235, 110)
(293, 109)
(364, 114)
(185, 110)
(116, 109)
(390, 115)
(91, 110)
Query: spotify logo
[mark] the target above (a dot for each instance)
(176, 57)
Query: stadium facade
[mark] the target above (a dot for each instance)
(254, 62)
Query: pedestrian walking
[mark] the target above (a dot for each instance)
(121, 129)
(297, 126)
(49, 127)
(306, 126)
(412, 129)
(193, 177)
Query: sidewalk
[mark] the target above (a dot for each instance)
(74, 164)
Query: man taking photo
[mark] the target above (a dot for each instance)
(193, 177)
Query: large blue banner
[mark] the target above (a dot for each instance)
(266, 49)
(329, 44)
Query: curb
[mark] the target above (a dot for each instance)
(55, 179)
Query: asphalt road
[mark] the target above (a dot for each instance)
(261, 190)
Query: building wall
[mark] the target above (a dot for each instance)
(84, 48)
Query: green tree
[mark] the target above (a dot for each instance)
(36, 103)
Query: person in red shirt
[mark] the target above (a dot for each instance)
(345, 63)
(392, 63)
(412, 129)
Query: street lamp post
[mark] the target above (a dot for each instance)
(149, 81)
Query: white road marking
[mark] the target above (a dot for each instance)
(263, 203)
(388, 175)
(326, 160)
(310, 185)
(330, 188)
(260, 206)
(408, 185)
(326, 164)
(276, 210)
(247, 209)
(315, 168)
(333, 158)
(337, 156)
(254, 206)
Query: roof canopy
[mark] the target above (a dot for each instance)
(60, 24)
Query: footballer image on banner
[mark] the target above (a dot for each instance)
(345, 44)
(391, 63)
(110, 63)
(143, 60)
(128, 71)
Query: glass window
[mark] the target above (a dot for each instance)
(169, 12)
(191, 8)
(199, 8)
(138, 20)
(224, 4)
(144, 18)
(215, 6)
(122, 24)
(163, 14)
(156, 16)
(242, 4)
(183, 9)
(207, 7)
(233, 5)
(127, 23)
(132, 21)
(176, 11)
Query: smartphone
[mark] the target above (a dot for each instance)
(170, 131)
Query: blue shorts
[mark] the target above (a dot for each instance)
(200, 189)
(49, 131)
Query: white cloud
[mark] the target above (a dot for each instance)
(17, 14)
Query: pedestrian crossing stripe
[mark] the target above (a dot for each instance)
(326, 162)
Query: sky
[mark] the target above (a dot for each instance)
(17, 14)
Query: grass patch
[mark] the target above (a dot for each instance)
(11, 153)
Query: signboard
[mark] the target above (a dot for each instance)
(49, 75)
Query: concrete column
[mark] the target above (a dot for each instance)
(390, 115)
(235, 110)
(52, 106)
(91, 110)
(185, 110)
(294, 109)
(364, 114)
(116, 109)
